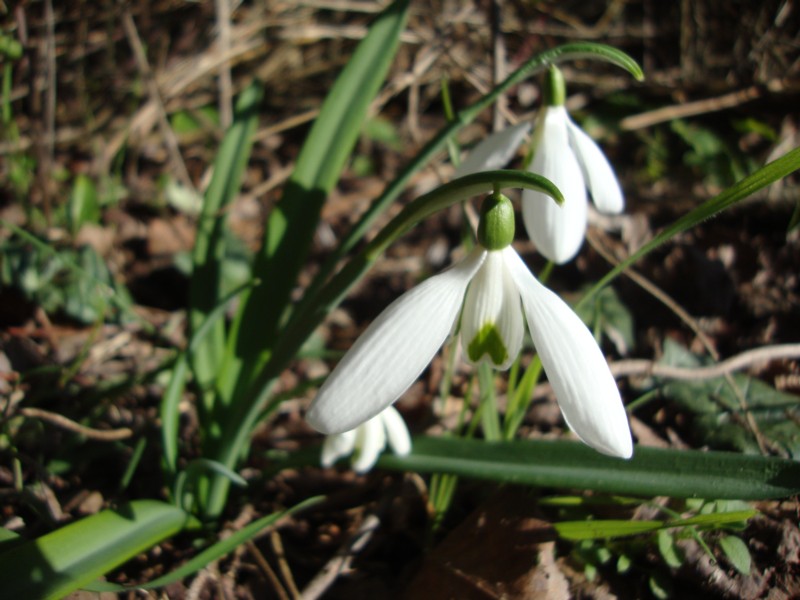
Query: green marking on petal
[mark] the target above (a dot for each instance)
(488, 341)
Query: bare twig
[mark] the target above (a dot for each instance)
(690, 109)
(748, 358)
(686, 318)
(283, 565)
(498, 62)
(144, 66)
(268, 571)
(596, 241)
(225, 81)
(70, 425)
(341, 561)
(650, 368)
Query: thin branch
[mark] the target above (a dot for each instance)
(225, 81)
(690, 109)
(341, 561)
(70, 425)
(624, 368)
(170, 139)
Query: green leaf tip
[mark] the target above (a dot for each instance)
(602, 52)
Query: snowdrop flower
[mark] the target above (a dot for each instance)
(368, 440)
(568, 157)
(495, 288)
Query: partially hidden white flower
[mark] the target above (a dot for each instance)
(495, 288)
(368, 440)
(567, 156)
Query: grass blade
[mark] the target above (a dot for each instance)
(60, 562)
(213, 552)
(289, 233)
(209, 249)
(651, 471)
(294, 219)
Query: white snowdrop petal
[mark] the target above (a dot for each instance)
(370, 442)
(393, 351)
(336, 446)
(557, 231)
(495, 151)
(597, 171)
(584, 387)
(396, 431)
(491, 324)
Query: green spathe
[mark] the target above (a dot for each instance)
(488, 341)
(555, 89)
(496, 227)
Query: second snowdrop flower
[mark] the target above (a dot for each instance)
(564, 154)
(368, 440)
(495, 289)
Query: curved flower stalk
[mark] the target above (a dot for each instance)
(368, 440)
(567, 156)
(495, 288)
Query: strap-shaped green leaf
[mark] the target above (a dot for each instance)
(651, 471)
(209, 248)
(295, 217)
(57, 563)
(289, 233)
(213, 552)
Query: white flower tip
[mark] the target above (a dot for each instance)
(620, 446)
(396, 431)
(597, 171)
(324, 421)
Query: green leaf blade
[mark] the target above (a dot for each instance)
(651, 471)
(60, 562)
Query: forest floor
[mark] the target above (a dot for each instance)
(79, 390)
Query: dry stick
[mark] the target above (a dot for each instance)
(70, 425)
(268, 571)
(596, 241)
(341, 561)
(498, 62)
(686, 318)
(283, 565)
(650, 368)
(169, 136)
(690, 109)
(225, 81)
(48, 154)
(623, 368)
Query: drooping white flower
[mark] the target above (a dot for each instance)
(495, 289)
(368, 440)
(567, 156)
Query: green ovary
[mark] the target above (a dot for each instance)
(488, 341)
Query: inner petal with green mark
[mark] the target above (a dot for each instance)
(488, 341)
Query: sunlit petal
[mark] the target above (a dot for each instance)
(584, 387)
(495, 151)
(393, 351)
(336, 446)
(597, 171)
(557, 231)
(370, 442)
(396, 431)
(491, 324)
